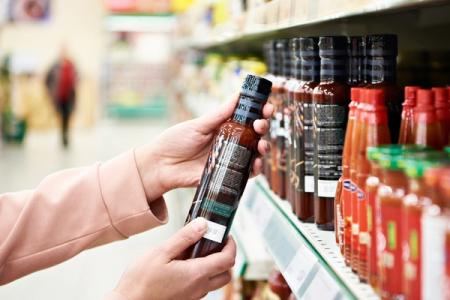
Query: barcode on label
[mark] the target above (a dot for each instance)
(327, 188)
(309, 184)
(215, 232)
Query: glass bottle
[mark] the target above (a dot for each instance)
(228, 168)
(427, 130)
(381, 54)
(330, 109)
(375, 133)
(345, 198)
(310, 78)
(442, 112)
(407, 123)
(294, 130)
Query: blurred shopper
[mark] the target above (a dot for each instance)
(78, 209)
(61, 84)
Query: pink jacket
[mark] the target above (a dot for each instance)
(71, 211)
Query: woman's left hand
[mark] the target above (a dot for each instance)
(177, 157)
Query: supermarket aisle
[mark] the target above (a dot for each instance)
(91, 274)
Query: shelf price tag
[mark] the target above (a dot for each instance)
(324, 285)
(299, 268)
(261, 210)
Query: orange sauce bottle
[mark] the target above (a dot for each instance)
(427, 129)
(442, 112)
(375, 133)
(407, 124)
(345, 196)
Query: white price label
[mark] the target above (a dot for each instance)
(322, 284)
(309, 184)
(327, 188)
(299, 268)
(215, 232)
(261, 210)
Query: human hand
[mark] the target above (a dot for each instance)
(178, 156)
(159, 274)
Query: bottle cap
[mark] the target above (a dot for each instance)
(372, 153)
(356, 45)
(283, 54)
(374, 97)
(447, 150)
(333, 46)
(415, 164)
(440, 97)
(309, 47)
(425, 101)
(256, 87)
(389, 156)
(382, 45)
(355, 94)
(410, 95)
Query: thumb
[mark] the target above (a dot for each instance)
(184, 238)
(210, 121)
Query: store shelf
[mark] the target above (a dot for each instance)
(343, 17)
(140, 23)
(308, 258)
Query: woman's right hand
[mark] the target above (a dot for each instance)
(160, 274)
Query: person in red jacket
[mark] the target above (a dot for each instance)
(61, 84)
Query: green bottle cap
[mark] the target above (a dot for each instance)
(447, 150)
(416, 164)
(390, 156)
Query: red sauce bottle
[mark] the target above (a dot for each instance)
(310, 77)
(444, 186)
(228, 168)
(442, 112)
(330, 103)
(407, 123)
(294, 129)
(376, 133)
(276, 124)
(427, 129)
(345, 198)
(381, 54)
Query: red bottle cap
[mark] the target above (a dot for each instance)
(374, 97)
(410, 95)
(425, 100)
(440, 97)
(355, 94)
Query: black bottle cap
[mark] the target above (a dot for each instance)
(333, 46)
(282, 49)
(356, 45)
(256, 87)
(382, 45)
(308, 46)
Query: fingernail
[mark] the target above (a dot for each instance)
(200, 224)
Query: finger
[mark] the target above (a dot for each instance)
(261, 126)
(184, 238)
(219, 281)
(267, 110)
(211, 121)
(263, 147)
(219, 262)
(257, 166)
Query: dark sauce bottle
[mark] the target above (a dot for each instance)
(228, 168)
(330, 102)
(381, 55)
(310, 78)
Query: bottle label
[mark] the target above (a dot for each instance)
(297, 140)
(215, 232)
(327, 188)
(309, 184)
(308, 140)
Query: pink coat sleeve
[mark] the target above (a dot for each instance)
(71, 211)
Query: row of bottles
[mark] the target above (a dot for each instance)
(311, 79)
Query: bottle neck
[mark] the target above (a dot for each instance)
(310, 68)
(382, 69)
(333, 68)
(249, 107)
(355, 70)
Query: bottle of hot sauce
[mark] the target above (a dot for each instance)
(277, 126)
(330, 102)
(434, 227)
(407, 123)
(293, 159)
(442, 111)
(345, 197)
(444, 186)
(413, 205)
(381, 54)
(427, 129)
(310, 78)
(374, 133)
(228, 167)
(285, 59)
(356, 191)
